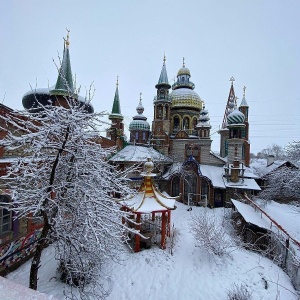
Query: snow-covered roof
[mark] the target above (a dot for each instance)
(173, 169)
(133, 153)
(215, 174)
(149, 198)
(246, 184)
(250, 215)
(260, 168)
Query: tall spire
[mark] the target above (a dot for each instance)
(231, 103)
(244, 102)
(64, 84)
(163, 78)
(116, 109)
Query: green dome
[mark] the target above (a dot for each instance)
(139, 125)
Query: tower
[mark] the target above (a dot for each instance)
(162, 107)
(116, 130)
(186, 106)
(63, 93)
(235, 141)
(139, 128)
(244, 108)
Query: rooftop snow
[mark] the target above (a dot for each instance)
(132, 153)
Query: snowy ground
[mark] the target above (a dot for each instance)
(187, 274)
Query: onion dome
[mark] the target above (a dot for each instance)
(204, 118)
(184, 71)
(139, 121)
(235, 118)
(116, 109)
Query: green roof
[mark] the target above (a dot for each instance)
(64, 84)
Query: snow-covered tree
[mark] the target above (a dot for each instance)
(64, 180)
(293, 152)
(283, 184)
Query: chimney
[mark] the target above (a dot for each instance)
(270, 159)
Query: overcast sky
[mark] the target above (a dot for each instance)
(257, 42)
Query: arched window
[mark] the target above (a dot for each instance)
(186, 122)
(176, 123)
(190, 185)
(175, 186)
(136, 135)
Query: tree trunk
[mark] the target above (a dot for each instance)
(42, 242)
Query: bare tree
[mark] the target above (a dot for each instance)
(275, 150)
(210, 235)
(63, 178)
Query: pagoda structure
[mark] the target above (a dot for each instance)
(151, 212)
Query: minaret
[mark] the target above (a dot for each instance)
(162, 106)
(64, 84)
(244, 108)
(231, 104)
(139, 128)
(116, 130)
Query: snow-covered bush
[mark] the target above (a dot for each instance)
(210, 234)
(239, 292)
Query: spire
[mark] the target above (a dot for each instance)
(231, 103)
(163, 78)
(244, 102)
(183, 63)
(140, 107)
(116, 109)
(64, 84)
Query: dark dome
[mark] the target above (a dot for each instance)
(32, 100)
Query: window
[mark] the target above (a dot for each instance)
(5, 216)
(144, 136)
(136, 135)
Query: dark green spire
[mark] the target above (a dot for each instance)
(116, 109)
(64, 84)
(163, 78)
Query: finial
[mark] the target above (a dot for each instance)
(164, 58)
(232, 80)
(117, 84)
(140, 96)
(244, 89)
(183, 63)
(67, 42)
